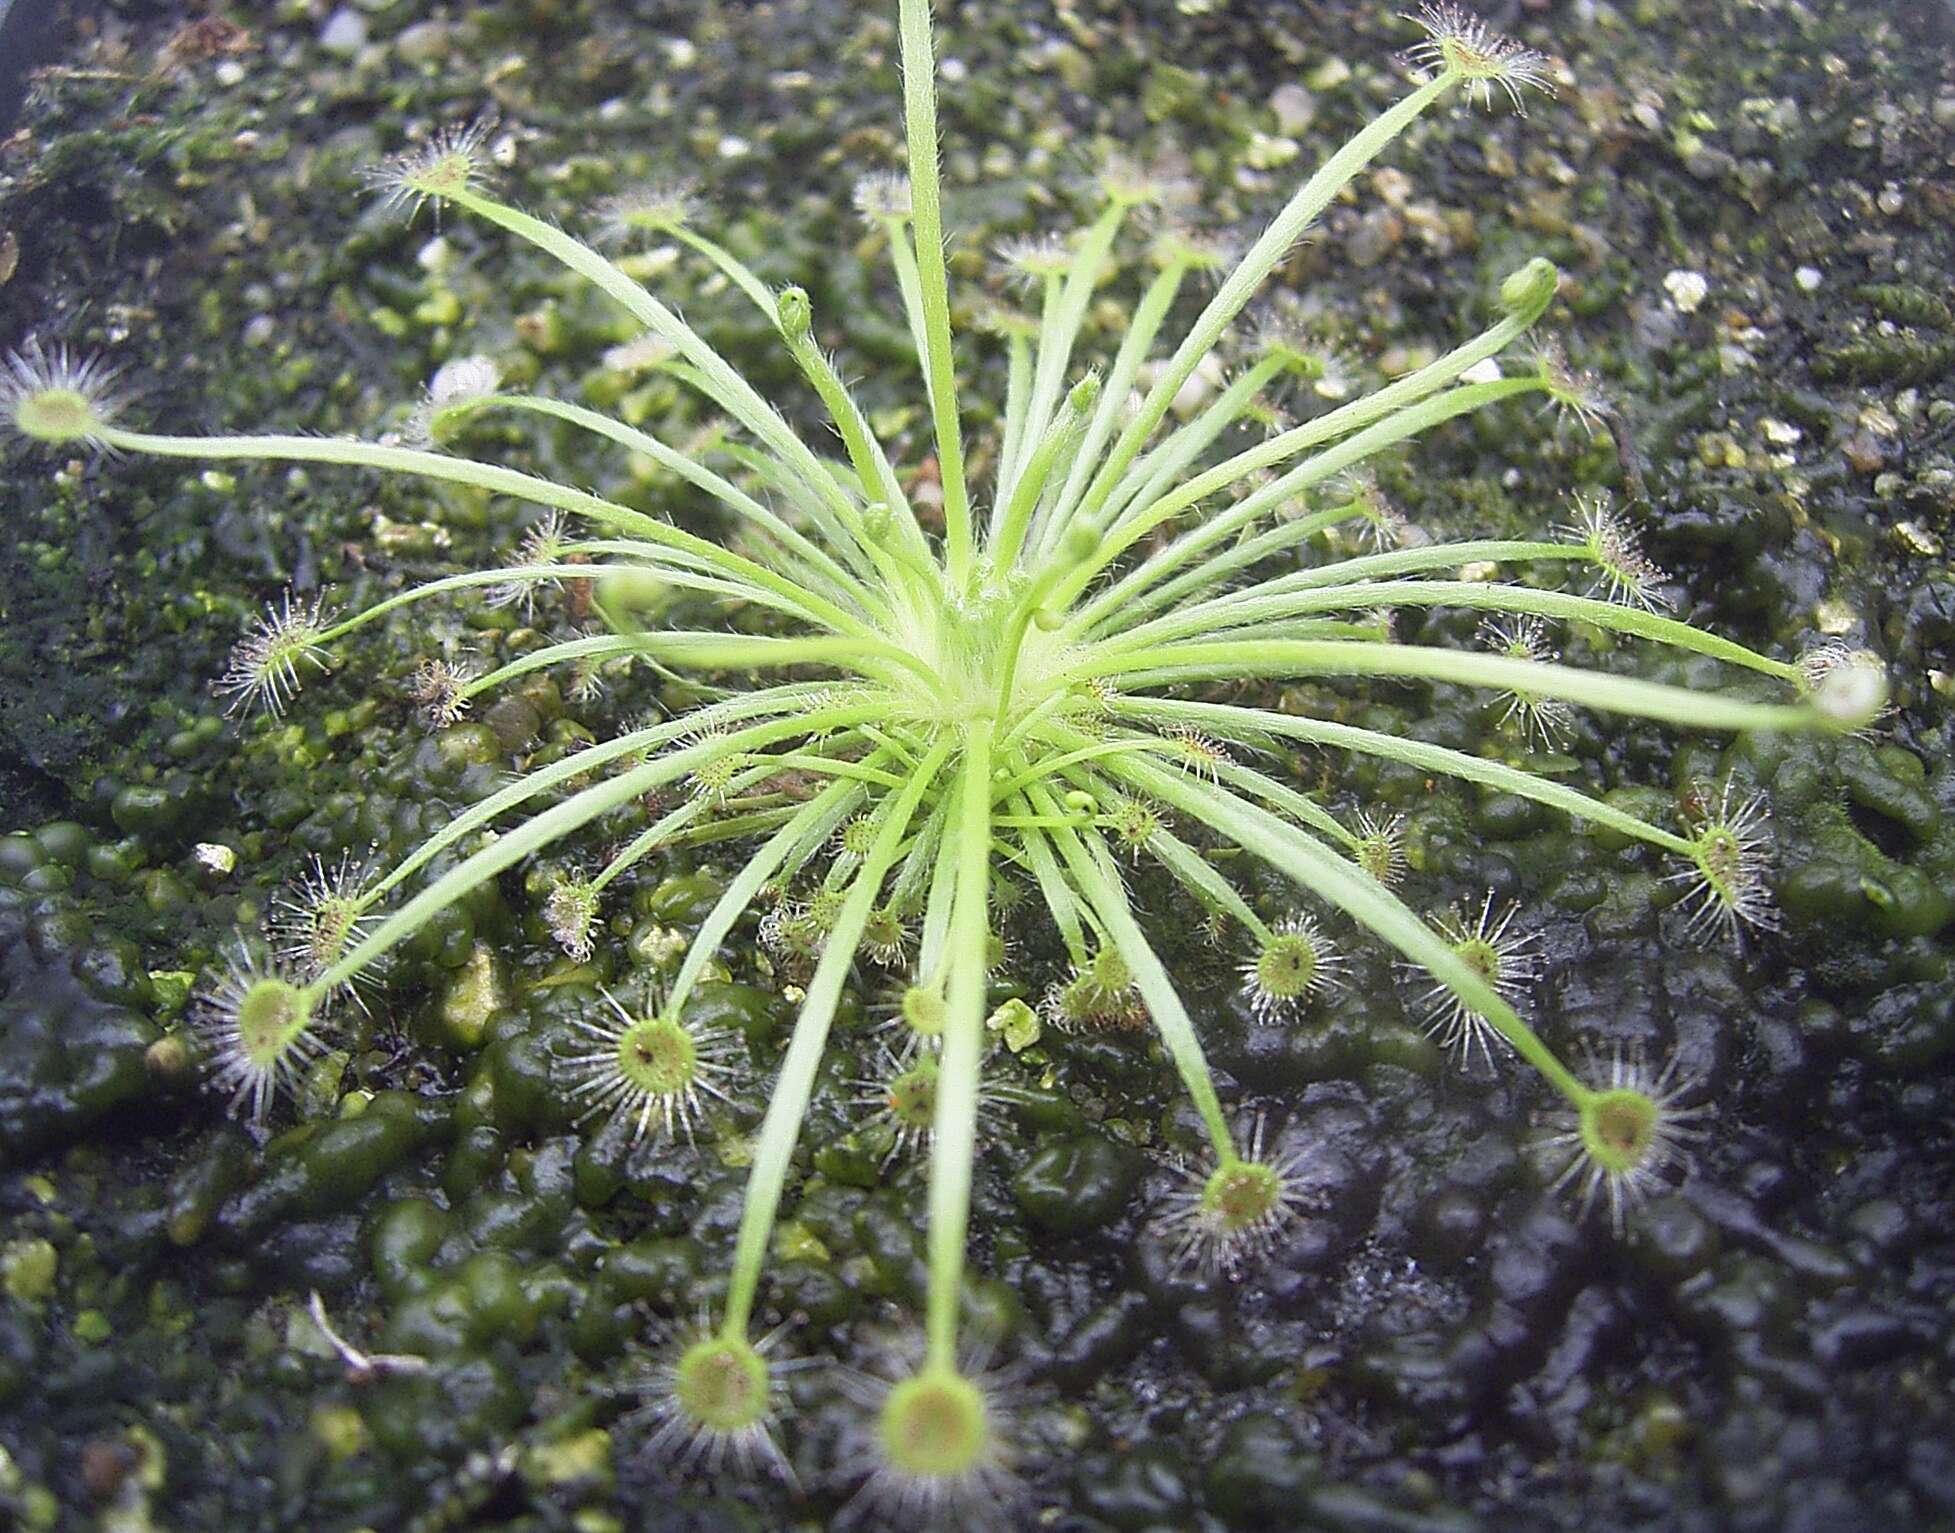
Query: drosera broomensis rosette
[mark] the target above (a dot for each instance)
(1037, 669)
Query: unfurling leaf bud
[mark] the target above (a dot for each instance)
(627, 598)
(1526, 293)
(1081, 539)
(795, 313)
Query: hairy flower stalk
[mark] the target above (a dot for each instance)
(1031, 688)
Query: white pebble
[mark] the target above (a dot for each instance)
(344, 33)
(1686, 290)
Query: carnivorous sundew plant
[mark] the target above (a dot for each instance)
(989, 676)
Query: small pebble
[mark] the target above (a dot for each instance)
(1686, 290)
(1863, 453)
(424, 42)
(345, 33)
(1294, 107)
(213, 858)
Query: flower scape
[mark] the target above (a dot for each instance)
(964, 704)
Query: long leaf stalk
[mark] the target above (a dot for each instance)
(793, 1089)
